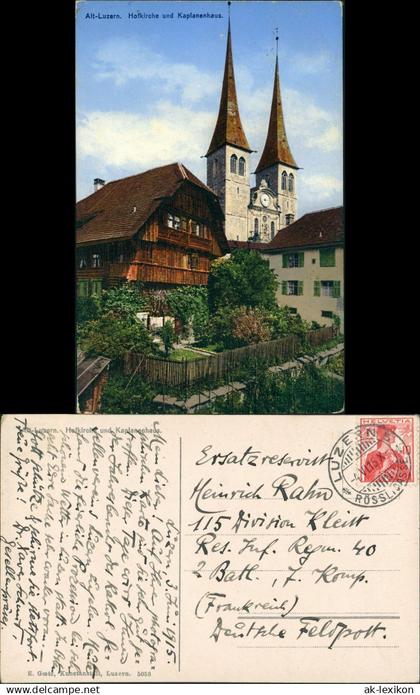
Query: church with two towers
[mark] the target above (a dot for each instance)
(164, 227)
(257, 212)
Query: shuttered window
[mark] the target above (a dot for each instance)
(327, 288)
(96, 288)
(193, 261)
(327, 257)
(293, 260)
(82, 288)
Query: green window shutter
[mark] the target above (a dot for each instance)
(284, 287)
(82, 288)
(300, 259)
(285, 259)
(96, 288)
(300, 287)
(336, 288)
(327, 258)
(317, 288)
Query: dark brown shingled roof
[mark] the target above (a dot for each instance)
(320, 228)
(120, 208)
(276, 147)
(253, 245)
(228, 128)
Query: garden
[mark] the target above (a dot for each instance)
(185, 324)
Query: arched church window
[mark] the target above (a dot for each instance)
(273, 230)
(241, 166)
(284, 181)
(233, 163)
(291, 183)
(256, 226)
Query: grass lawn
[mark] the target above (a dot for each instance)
(182, 355)
(213, 347)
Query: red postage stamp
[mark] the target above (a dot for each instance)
(386, 446)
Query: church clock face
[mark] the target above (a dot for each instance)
(265, 200)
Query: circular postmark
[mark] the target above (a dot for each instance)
(364, 476)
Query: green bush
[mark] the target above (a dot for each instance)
(167, 333)
(87, 309)
(311, 391)
(190, 306)
(243, 279)
(112, 336)
(124, 301)
(120, 395)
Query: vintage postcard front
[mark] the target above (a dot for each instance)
(209, 219)
(273, 549)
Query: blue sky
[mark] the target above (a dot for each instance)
(148, 90)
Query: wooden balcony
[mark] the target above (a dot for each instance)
(92, 273)
(181, 238)
(147, 272)
(144, 272)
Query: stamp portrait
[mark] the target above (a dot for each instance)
(386, 449)
(371, 464)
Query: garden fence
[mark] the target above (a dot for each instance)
(214, 367)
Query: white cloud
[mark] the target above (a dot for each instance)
(309, 125)
(310, 64)
(329, 140)
(313, 127)
(121, 139)
(178, 127)
(123, 60)
(320, 187)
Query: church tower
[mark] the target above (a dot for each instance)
(277, 166)
(228, 157)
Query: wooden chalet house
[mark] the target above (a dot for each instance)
(162, 227)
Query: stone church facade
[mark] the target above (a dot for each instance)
(251, 213)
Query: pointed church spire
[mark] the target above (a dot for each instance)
(228, 128)
(276, 147)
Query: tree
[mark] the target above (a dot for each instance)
(123, 301)
(167, 333)
(221, 329)
(126, 395)
(250, 326)
(189, 305)
(311, 391)
(156, 302)
(243, 279)
(87, 309)
(240, 326)
(112, 336)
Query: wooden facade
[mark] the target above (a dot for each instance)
(174, 246)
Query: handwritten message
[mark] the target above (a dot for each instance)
(90, 560)
(187, 548)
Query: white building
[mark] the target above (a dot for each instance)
(308, 260)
